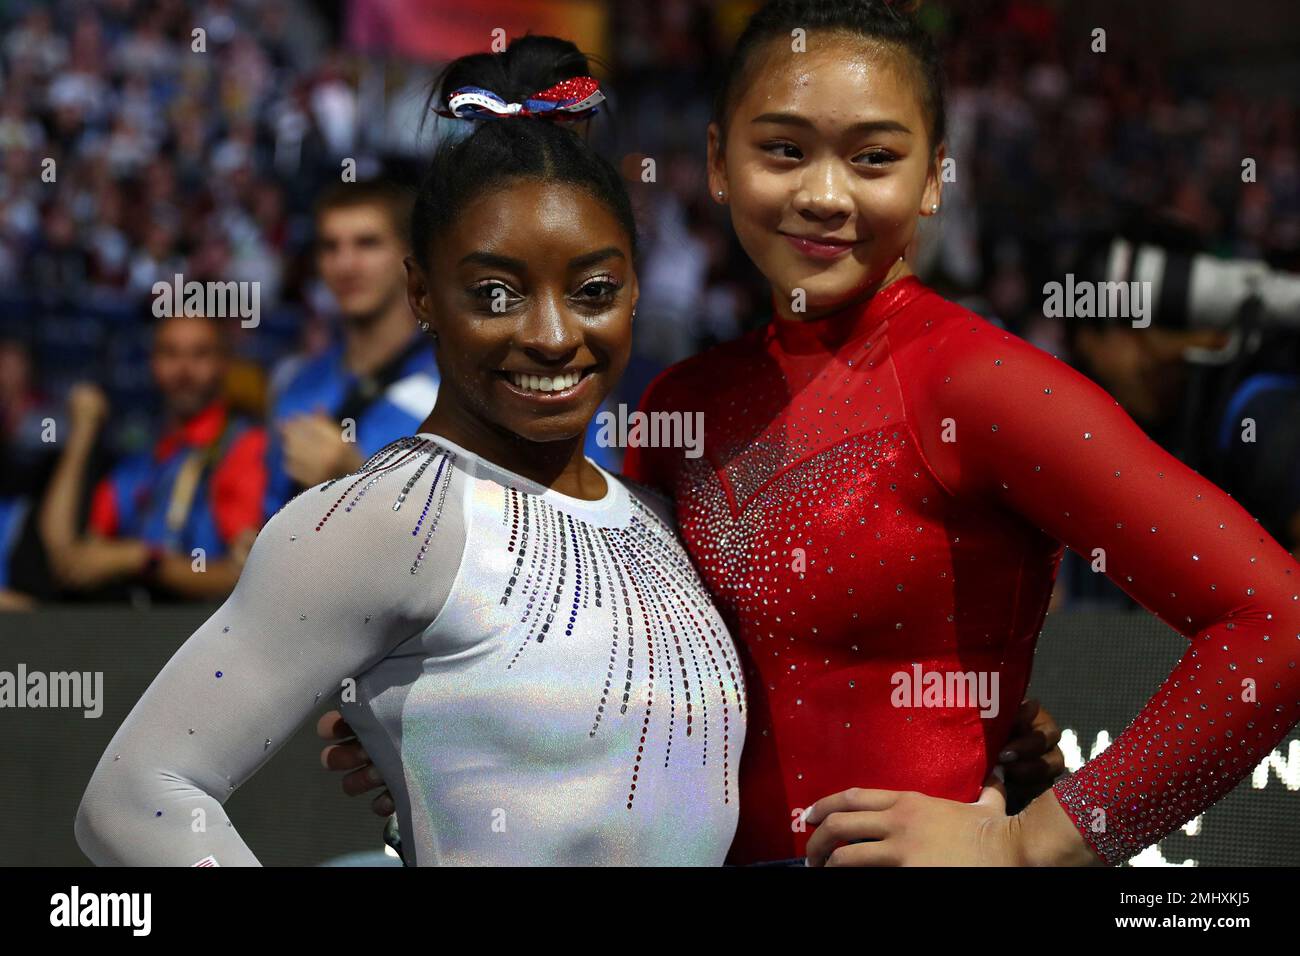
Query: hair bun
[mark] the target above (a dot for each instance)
(528, 65)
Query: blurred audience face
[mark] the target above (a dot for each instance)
(1144, 369)
(359, 255)
(798, 163)
(15, 375)
(188, 363)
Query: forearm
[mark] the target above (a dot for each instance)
(1046, 836)
(1229, 701)
(176, 573)
(91, 562)
(1052, 447)
(351, 460)
(302, 617)
(122, 823)
(61, 504)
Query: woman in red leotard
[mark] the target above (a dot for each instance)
(886, 484)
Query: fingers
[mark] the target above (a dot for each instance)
(1045, 724)
(1029, 709)
(994, 792)
(383, 804)
(844, 827)
(871, 853)
(332, 726)
(344, 756)
(1030, 745)
(1039, 770)
(362, 781)
(856, 798)
(1033, 734)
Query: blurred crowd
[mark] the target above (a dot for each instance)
(133, 150)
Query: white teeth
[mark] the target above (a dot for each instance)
(545, 383)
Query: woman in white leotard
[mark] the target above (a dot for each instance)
(522, 645)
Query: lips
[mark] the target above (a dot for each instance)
(545, 383)
(556, 386)
(819, 248)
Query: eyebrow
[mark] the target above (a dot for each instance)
(591, 258)
(491, 259)
(866, 126)
(518, 265)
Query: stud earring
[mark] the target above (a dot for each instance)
(721, 194)
(424, 326)
(934, 207)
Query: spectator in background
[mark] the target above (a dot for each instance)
(1261, 465)
(200, 487)
(24, 468)
(331, 412)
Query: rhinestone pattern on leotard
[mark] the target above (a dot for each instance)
(637, 577)
(888, 487)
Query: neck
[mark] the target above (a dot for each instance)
(174, 417)
(559, 465)
(898, 270)
(370, 341)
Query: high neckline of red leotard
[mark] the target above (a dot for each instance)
(829, 332)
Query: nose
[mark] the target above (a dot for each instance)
(823, 193)
(347, 257)
(550, 333)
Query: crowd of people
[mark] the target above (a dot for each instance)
(133, 150)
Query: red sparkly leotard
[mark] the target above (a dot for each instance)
(882, 497)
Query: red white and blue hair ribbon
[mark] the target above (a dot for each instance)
(574, 98)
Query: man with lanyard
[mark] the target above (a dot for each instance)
(330, 412)
(179, 516)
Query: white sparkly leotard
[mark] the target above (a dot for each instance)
(540, 679)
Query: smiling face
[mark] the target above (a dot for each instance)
(532, 305)
(826, 166)
(188, 362)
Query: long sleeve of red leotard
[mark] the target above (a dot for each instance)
(1003, 422)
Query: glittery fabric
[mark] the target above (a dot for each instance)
(888, 487)
(540, 679)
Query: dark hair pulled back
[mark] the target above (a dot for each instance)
(498, 151)
(878, 20)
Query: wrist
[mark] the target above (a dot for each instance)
(1043, 834)
(352, 460)
(151, 561)
(82, 435)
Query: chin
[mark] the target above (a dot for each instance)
(359, 305)
(822, 291)
(544, 432)
(540, 427)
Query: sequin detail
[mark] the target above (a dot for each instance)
(659, 610)
(891, 486)
(561, 569)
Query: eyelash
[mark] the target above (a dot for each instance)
(611, 285)
(484, 290)
(887, 155)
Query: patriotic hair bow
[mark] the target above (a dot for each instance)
(574, 98)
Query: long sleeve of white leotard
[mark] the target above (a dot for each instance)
(327, 591)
